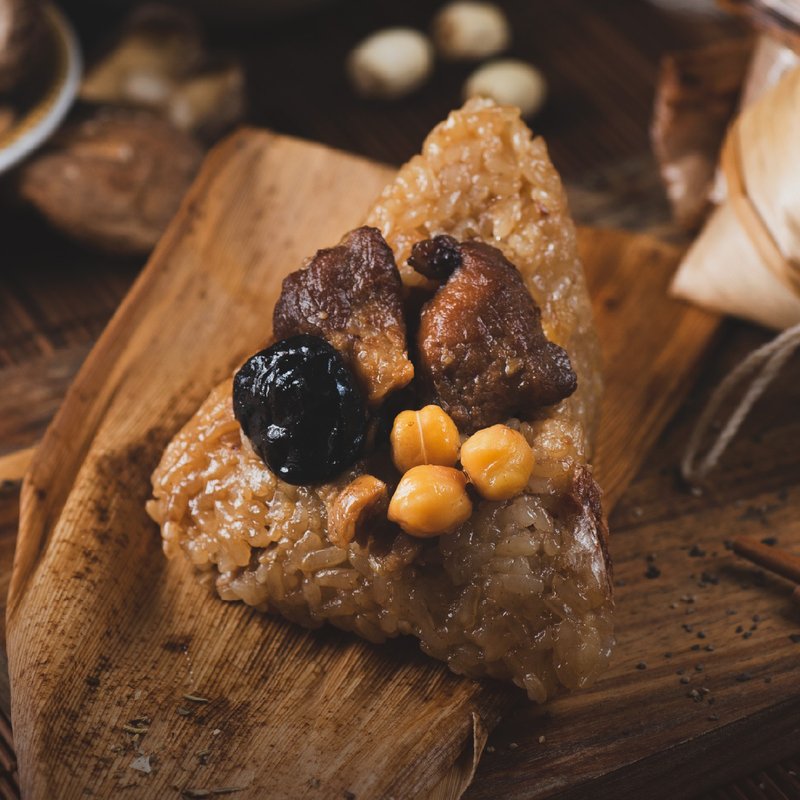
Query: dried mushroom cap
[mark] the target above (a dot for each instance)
(351, 295)
(482, 350)
(113, 181)
(21, 29)
(159, 62)
(157, 47)
(7, 119)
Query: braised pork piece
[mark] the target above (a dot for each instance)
(481, 344)
(351, 295)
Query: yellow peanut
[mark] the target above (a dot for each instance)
(430, 500)
(498, 461)
(427, 436)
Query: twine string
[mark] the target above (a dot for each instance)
(762, 366)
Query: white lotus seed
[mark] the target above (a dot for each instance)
(390, 63)
(467, 30)
(509, 82)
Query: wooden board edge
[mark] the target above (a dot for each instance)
(727, 752)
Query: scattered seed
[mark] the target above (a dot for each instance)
(730, 612)
(490, 748)
(183, 711)
(621, 582)
(667, 655)
(641, 665)
(728, 543)
(542, 740)
(135, 729)
(695, 647)
(770, 541)
(685, 679)
(680, 671)
(709, 577)
(710, 648)
(652, 572)
(513, 746)
(795, 637)
(193, 698)
(742, 677)
(739, 629)
(673, 605)
(212, 792)
(314, 783)
(756, 617)
(747, 634)
(699, 667)
(650, 558)
(701, 634)
(768, 679)
(688, 598)
(713, 717)
(142, 764)
(687, 627)
(695, 695)
(697, 551)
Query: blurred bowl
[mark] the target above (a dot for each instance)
(40, 109)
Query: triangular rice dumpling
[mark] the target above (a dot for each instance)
(521, 589)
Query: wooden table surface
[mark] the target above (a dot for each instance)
(600, 60)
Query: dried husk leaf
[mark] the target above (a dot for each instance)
(724, 270)
(695, 100)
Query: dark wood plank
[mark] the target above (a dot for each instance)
(31, 393)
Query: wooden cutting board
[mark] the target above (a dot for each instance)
(109, 643)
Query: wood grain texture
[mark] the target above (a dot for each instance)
(88, 552)
(651, 347)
